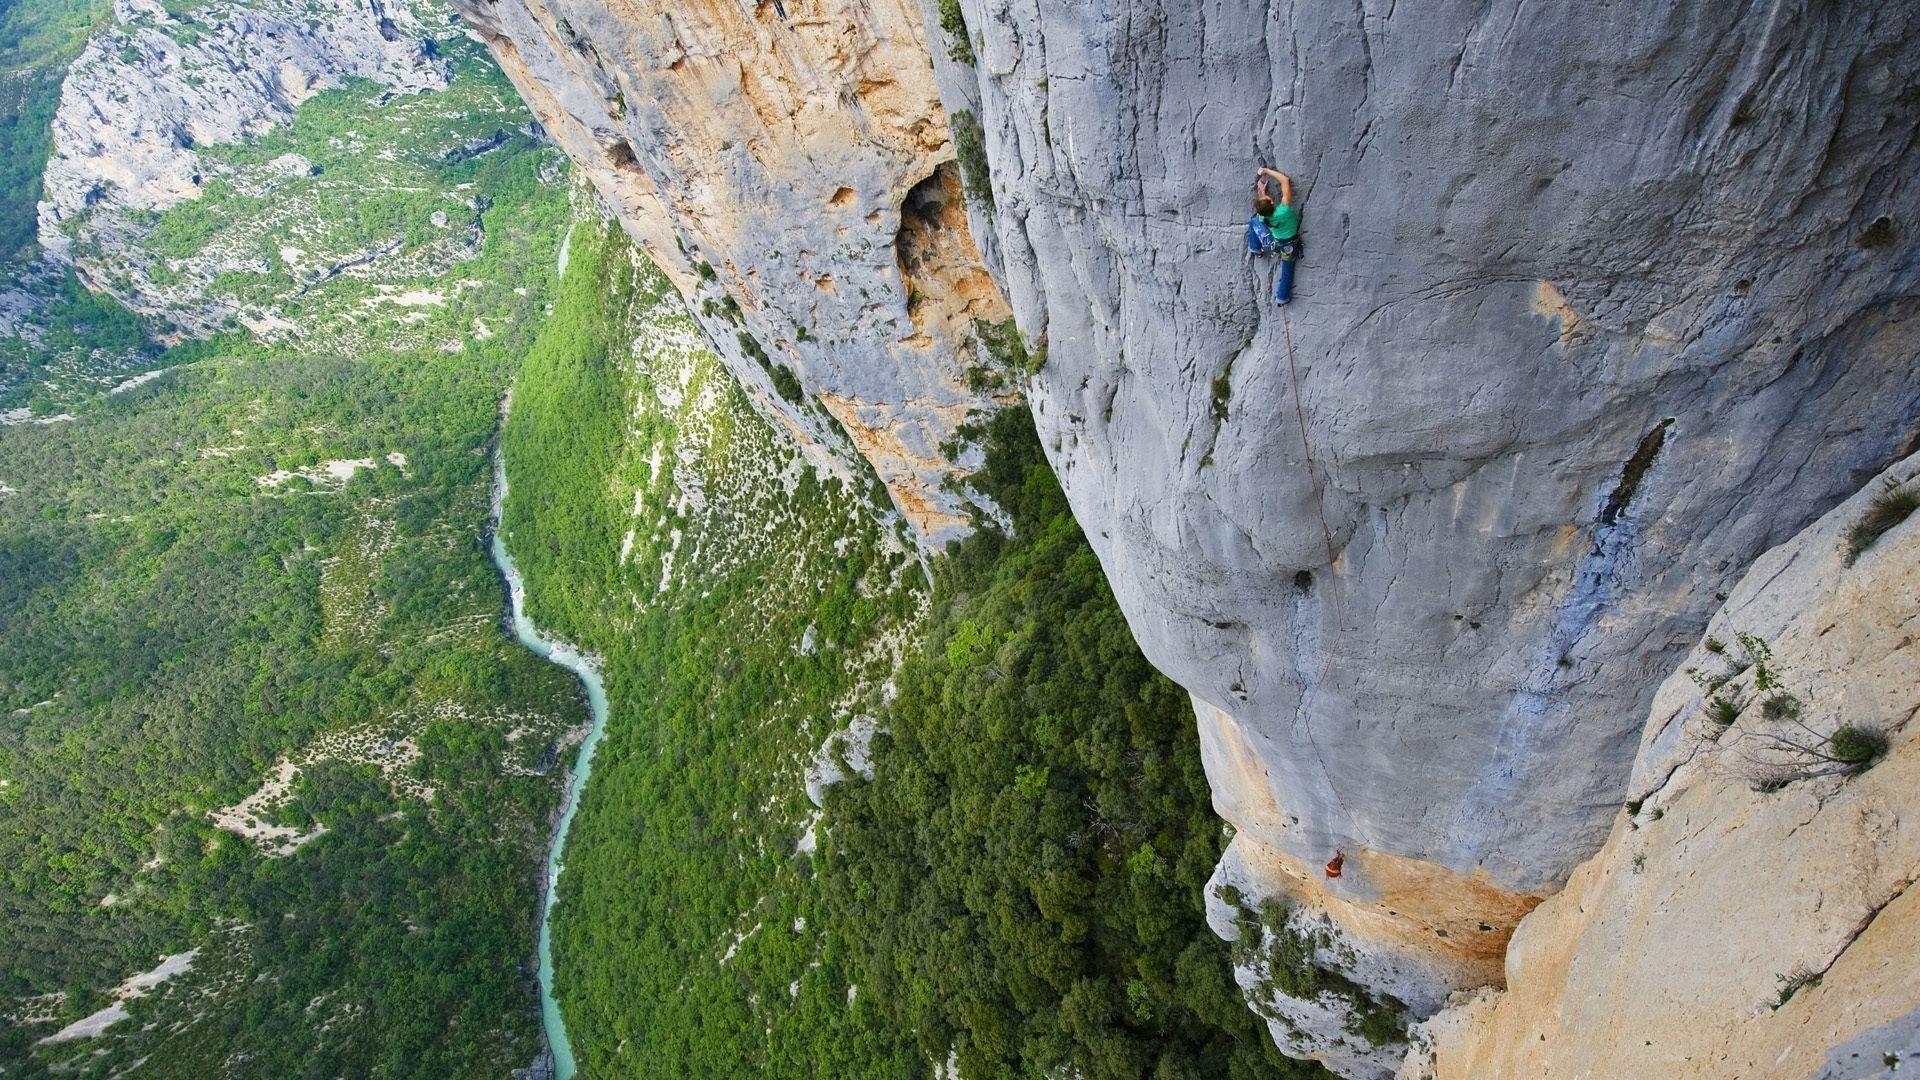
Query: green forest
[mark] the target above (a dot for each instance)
(1021, 883)
(1019, 886)
(191, 600)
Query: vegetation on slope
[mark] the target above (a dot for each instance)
(37, 39)
(743, 604)
(188, 598)
(1019, 887)
(1021, 883)
(381, 242)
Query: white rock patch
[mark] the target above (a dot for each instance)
(88, 1027)
(326, 473)
(138, 380)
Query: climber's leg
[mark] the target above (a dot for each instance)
(1259, 240)
(1283, 281)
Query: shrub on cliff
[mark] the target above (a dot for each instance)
(1858, 747)
(954, 22)
(970, 147)
(1893, 505)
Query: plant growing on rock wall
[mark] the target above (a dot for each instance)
(1007, 349)
(1222, 392)
(1880, 234)
(970, 148)
(1893, 505)
(1723, 710)
(954, 22)
(1859, 747)
(1792, 983)
(1780, 706)
(1295, 959)
(1777, 746)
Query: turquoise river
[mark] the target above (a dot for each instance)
(583, 666)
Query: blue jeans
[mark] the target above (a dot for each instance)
(1261, 242)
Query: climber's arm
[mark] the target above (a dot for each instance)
(1286, 184)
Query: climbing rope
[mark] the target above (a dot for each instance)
(1319, 496)
(1333, 583)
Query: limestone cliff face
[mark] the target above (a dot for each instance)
(789, 166)
(147, 93)
(1753, 910)
(1597, 304)
(1588, 296)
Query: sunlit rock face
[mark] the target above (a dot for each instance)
(790, 167)
(1596, 304)
(1752, 912)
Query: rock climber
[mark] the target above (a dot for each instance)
(1339, 857)
(1275, 229)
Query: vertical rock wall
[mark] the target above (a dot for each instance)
(1598, 302)
(789, 166)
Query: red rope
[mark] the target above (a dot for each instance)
(1333, 583)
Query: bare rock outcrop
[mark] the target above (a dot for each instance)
(790, 168)
(146, 94)
(1753, 910)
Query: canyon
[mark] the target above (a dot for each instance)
(1508, 570)
(1595, 307)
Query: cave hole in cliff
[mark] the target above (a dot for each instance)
(939, 266)
(841, 197)
(620, 152)
(932, 210)
(1303, 581)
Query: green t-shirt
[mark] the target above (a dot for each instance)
(1284, 222)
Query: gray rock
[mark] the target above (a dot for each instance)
(1537, 244)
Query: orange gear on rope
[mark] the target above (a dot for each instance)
(1334, 864)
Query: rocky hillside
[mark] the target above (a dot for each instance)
(1752, 912)
(147, 99)
(1596, 306)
